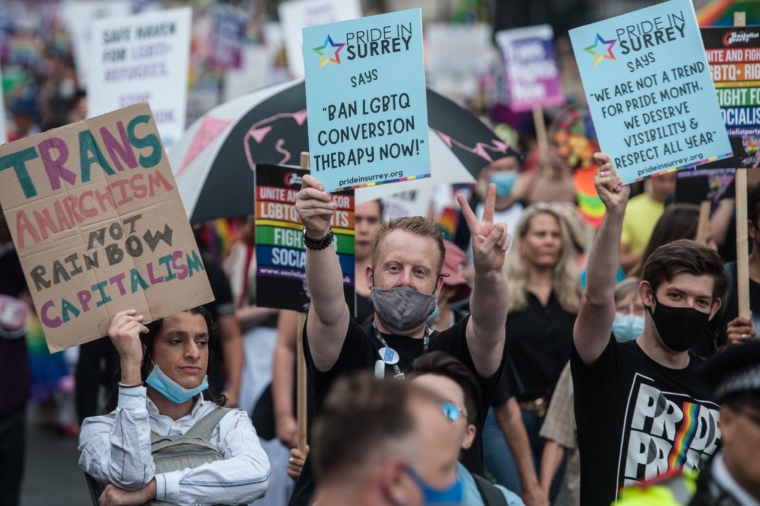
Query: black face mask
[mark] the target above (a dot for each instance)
(678, 327)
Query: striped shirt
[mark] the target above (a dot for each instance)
(117, 450)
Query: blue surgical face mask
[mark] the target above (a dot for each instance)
(627, 327)
(450, 496)
(170, 389)
(504, 182)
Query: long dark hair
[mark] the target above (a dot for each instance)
(154, 328)
(679, 221)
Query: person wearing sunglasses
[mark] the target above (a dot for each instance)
(383, 442)
(448, 378)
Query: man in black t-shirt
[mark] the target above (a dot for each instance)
(405, 278)
(641, 407)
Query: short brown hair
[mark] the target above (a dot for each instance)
(362, 419)
(685, 256)
(443, 364)
(415, 225)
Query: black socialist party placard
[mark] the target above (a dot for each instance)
(280, 252)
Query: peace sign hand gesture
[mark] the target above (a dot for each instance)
(489, 240)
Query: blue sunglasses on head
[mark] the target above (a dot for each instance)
(451, 411)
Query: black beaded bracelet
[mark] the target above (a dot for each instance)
(317, 245)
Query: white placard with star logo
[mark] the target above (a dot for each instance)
(366, 101)
(650, 91)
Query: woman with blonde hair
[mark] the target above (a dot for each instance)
(544, 296)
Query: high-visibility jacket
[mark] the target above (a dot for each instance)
(675, 488)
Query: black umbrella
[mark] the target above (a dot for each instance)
(214, 162)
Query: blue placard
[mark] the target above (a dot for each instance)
(650, 92)
(366, 100)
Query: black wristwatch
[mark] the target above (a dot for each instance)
(317, 245)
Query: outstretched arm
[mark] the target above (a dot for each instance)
(328, 315)
(283, 378)
(593, 326)
(489, 303)
(510, 421)
(234, 356)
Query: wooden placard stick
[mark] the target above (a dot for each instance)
(301, 386)
(541, 136)
(742, 255)
(704, 220)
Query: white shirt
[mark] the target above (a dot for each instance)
(117, 450)
(725, 480)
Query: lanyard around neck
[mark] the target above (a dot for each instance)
(396, 370)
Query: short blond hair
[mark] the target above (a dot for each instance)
(414, 225)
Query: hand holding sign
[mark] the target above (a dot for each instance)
(315, 207)
(649, 89)
(489, 240)
(126, 327)
(609, 186)
(99, 226)
(740, 330)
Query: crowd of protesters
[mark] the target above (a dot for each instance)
(512, 414)
(540, 357)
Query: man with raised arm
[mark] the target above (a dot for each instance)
(640, 406)
(405, 278)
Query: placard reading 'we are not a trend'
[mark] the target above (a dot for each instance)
(650, 91)
(367, 102)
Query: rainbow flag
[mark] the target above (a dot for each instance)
(590, 206)
(721, 12)
(684, 436)
(47, 369)
(447, 223)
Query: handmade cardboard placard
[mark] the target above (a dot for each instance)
(366, 99)
(280, 251)
(99, 225)
(530, 67)
(734, 58)
(649, 90)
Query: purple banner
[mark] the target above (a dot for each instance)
(228, 38)
(530, 65)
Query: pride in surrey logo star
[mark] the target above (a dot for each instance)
(326, 49)
(601, 53)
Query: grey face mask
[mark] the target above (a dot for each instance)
(403, 308)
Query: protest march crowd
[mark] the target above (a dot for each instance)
(572, 322)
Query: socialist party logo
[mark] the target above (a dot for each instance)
(328, 52)
(601, 49)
